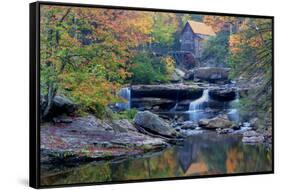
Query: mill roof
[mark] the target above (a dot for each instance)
(201, 28)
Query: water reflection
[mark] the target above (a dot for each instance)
(200, 155)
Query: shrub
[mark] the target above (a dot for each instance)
(148, 69)
(216, 50)
(127, 114)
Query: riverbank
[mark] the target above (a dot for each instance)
(202, 154)
(166, 114)
(87, 139)
(76, 140)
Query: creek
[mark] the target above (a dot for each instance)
(206, 154)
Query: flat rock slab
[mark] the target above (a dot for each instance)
(90, 139)
(163, 87)
(168, 91)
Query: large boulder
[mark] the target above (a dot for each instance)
(63, 105)
(175, 78)
(60, 106)
(223, 94)
(177, 75)
(168, 91)
(189, 75)
(153, 124)
(179, 72)
(221, 121)
(212, 74)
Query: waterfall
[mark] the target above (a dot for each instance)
(198, 104)
(176, 105)
(196, 107)
(124, 93)
(233, 112)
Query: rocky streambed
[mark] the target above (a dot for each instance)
(86, 139)
(168, 114)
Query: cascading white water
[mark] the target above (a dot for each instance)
(233, 112)
(174, 108)
(124, 93)
(196, 106)
(176, 105)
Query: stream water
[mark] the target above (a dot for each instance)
(202, 107)
(199, 155)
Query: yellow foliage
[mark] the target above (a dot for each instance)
(234, 42)
(169, 63)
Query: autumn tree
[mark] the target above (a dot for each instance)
(216, 49)
(251, 61)
(84, 53)
(164, 27)
(245, 44)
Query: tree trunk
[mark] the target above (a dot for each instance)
(49, 99)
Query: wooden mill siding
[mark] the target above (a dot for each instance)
(187, 40)
(193, 36)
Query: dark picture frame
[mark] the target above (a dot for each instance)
(34, 93)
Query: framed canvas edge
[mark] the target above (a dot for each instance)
(34, 94)
(150, 9)
(34, 98)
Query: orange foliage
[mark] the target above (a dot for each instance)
(234, 42)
